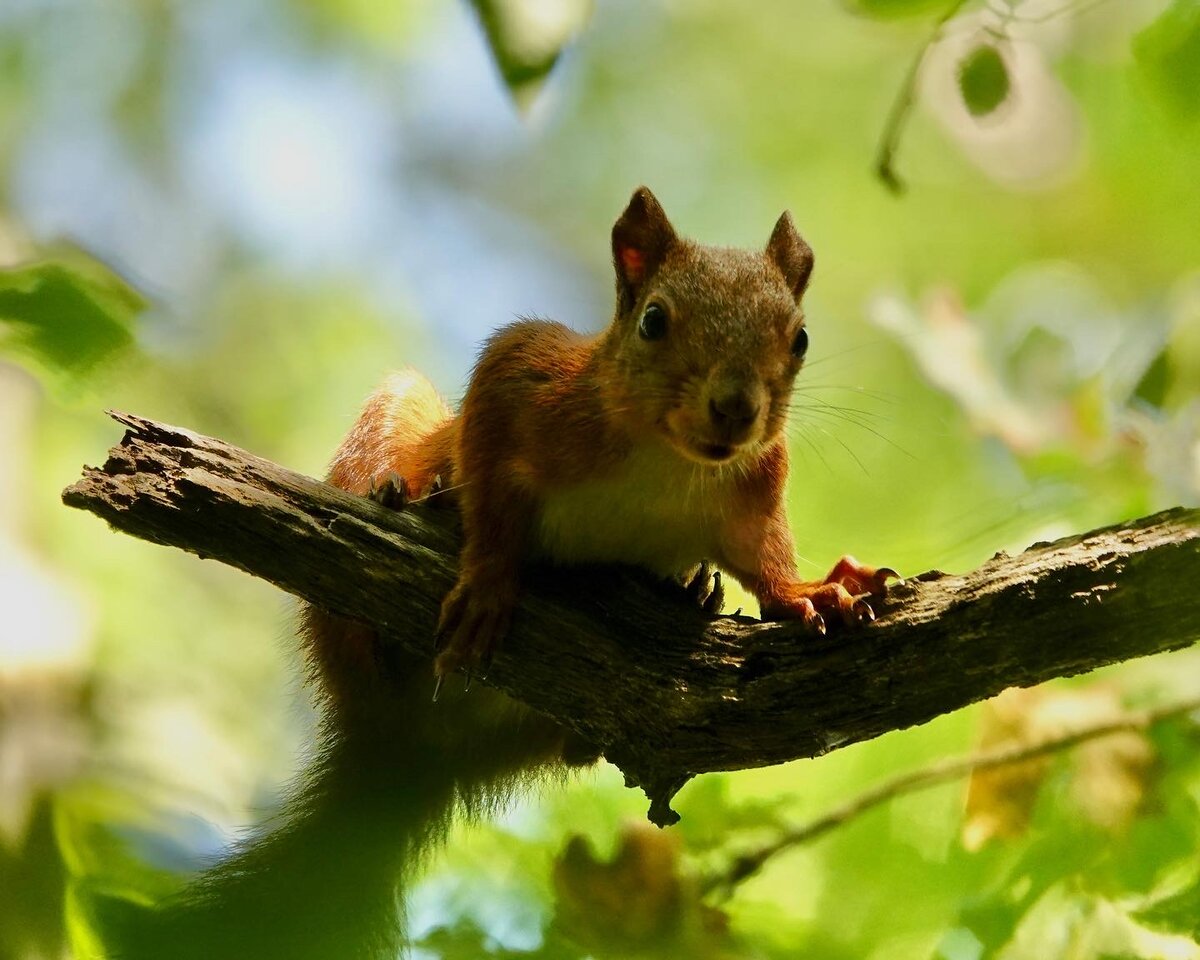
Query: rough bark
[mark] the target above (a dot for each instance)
(668, 691)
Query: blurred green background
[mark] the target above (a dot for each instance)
(237, 215)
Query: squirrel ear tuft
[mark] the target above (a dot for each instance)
(788, 251)
(641, 238)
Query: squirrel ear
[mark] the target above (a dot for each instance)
(788, 251)
(641, 238)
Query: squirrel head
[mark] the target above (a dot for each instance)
(706, 341)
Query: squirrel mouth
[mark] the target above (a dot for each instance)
(715, 451)
(698, 448)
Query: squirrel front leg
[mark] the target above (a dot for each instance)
(759, 552)
(476, 613)
(841, 594)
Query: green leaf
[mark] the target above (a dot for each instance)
(1178, 913)
(895, 9)
(1168, 56)
(1155, 384)
(983, 80)
(33, 879)
(527, 37)
(69, 315)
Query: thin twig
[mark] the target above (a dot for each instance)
(1010, 15)
(889, 141)
(952, 768)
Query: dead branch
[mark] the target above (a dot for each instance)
(668, 691)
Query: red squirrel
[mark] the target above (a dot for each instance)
(659, 442)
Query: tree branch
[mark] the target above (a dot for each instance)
(666, 690)
(942, 771)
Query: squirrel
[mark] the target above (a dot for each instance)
(658, 442)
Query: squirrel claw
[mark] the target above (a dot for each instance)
(814, 603)
(800, 608)
(716, 599)
(697, 585)
(432, 492)
(391, 492)
(474, 621)
(883, 575)
(860, 579)
(861, 611)
(704, 588)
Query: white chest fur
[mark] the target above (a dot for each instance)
(655, 510)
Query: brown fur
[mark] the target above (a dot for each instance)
(549, 411)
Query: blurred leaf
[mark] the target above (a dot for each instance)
(467, 940)
(638, 901)
(994, 913)
(711, 817)
(1168, 55)
(983, 80)
(83, 932)
(895, 9)
(97, 834)
(528, 36)
(1108, 777)
(1068, 868)
(1177, 913)
(103, 835)
(1000, 800)
(32, 879)
(1167, 830)
(388, 25)
(68, 314)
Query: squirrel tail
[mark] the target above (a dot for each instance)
(405, 428)
(325, 880)
(324, 883)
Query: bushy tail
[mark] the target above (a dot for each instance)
(323, 884)
(325, 881)
(405, 427)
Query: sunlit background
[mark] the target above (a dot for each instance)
(237, 215)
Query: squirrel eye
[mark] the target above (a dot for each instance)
(653, 325)
(800, 344)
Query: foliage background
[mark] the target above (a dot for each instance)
(237, 216)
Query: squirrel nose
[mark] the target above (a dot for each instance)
(734, 411)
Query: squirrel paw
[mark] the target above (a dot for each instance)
(834, 600)
(847, 586)
(817, 603)
(841, 597)
(436, 493)
(471, 628)
(859, 579)
(390, 492)
(828, 602)
(798, 608)
(705, 588)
